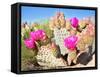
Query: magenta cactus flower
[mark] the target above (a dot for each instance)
(34, 36)
(74, 22)
(70, 42)
(29, 43)
(38, 35)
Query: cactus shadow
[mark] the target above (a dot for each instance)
(84, 58)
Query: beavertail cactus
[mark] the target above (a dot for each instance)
(45, 57)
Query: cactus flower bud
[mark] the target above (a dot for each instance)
(74, 22)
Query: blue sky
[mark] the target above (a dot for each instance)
(35, 14)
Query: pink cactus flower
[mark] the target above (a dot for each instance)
(29, 43)
(38, 35)
(74, 22)
(70, 42)
(53, 45)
